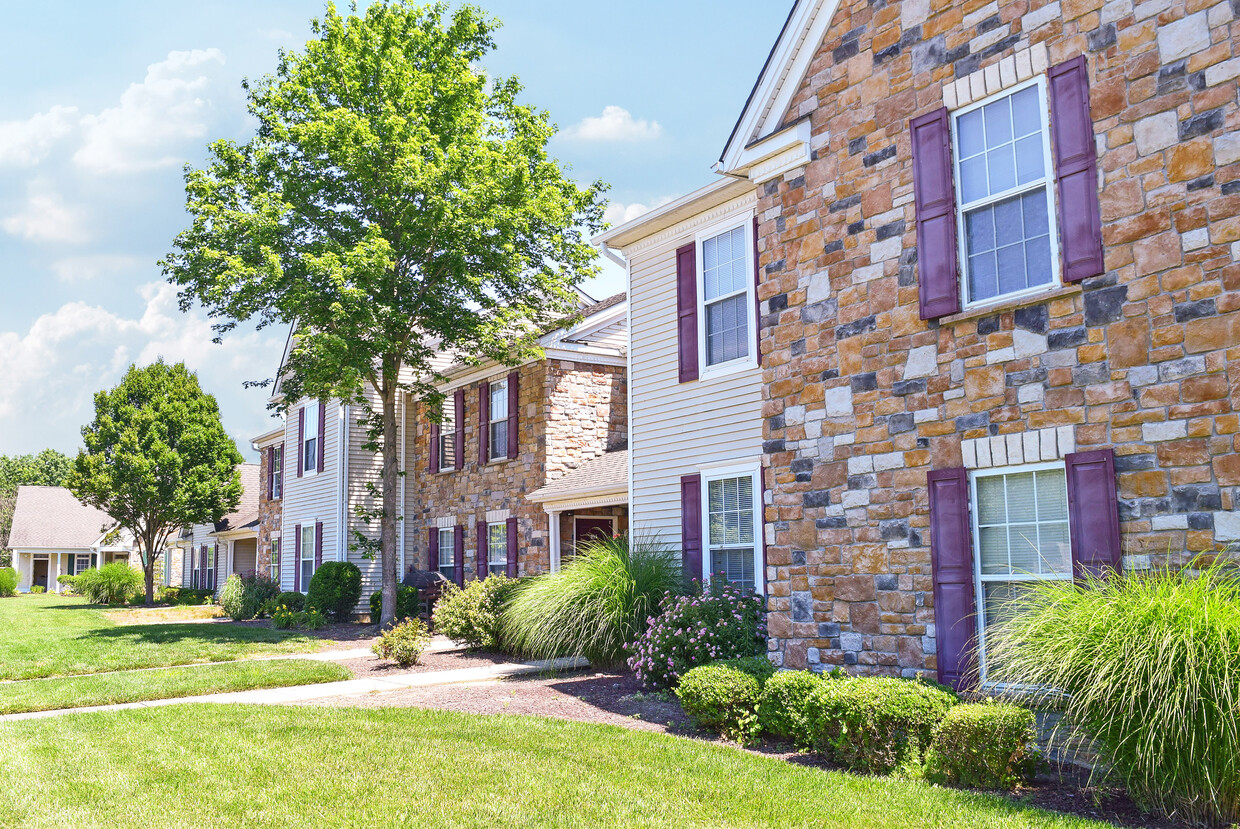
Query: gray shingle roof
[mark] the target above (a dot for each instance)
(49, 517)
(247, 511)
(608, 471)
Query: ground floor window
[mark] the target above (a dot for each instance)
(208, 578)
(732, 531)
(196, 557)
(275, 560)
(1020, 533)
(497, 549)
(447, 553)
(79, 564)
(307, 556)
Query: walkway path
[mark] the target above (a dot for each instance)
(347, 688)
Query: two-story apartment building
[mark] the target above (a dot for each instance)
(206, 554)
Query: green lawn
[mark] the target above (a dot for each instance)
(47, 635)
(163, 683)
(212, 766)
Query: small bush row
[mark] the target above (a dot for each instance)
(406, 603)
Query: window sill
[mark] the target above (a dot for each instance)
(1012, 304)
(722, 370)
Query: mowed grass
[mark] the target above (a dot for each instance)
(303, 766)
(43, 636)
(163, 683)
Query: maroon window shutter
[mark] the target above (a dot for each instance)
(434, 453)
(318, 545)
(951, 558)
(271, 472)
(301, 441)
(215, 565)
(511, 533)
(458, 564)
(460, 428)
(1076, 170)
(757, 303)
(691, 527)
(297, 559)
(934, 194)
(484, 421)
(1093, 511)
(322, 435)
(514, 412)
(482, 550)
(686, 311)
(432, 550)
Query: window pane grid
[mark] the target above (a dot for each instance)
(497, 549)
(1023, 526)
(730, 530)
(447, 554)
(725, 297)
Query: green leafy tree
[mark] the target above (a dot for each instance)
(157, 459)
(48, 468)
(396, 203)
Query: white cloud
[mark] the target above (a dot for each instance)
(154, 117)
(46, 218)
(615, 124)
(85, 268)
(26, 143)
(276, 34)
(617, 214)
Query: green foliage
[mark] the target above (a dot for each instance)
(246, 597)
(598, 602)
(110, 584)
(723, 699)
(782, 709)
(285, 618)
(875, 725)
(157, 458)
(721, 623)
(37, 589)
(335, 589)
(185, 596)
(8, 582)
(311, 619)
(69, 583)
(48, 468)
(1148, 666)
(986, 746)
(403, 643)
(758, 667)
(230, 598)
(472, 615)
(292, 600)
(406, 603)
(393, 186)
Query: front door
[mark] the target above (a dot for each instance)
(592, 529)
(40, 573)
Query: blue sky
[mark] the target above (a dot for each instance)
(104, 102)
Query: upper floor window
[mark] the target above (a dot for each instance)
(277, 472)
(726, 303)
(447, 436)
(311, 438)
(1005, 201)
(497, 548)
(732, 532)
(498, 438)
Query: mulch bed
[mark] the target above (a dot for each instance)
(371, 667)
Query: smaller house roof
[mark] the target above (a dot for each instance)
(50, 517)
(247, 511)
(605, 475)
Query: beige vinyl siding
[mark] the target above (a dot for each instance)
(311, 498)
(678, 428)
(203, 535)
(365, 467)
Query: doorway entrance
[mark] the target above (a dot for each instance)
(40, 573)
(592, 528)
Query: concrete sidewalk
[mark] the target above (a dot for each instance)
(347, 688)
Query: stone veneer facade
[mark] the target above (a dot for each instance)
(570, 412)
(863, 398)
(270, 516)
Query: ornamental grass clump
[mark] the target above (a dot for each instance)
(599, 601)
(1148, 666)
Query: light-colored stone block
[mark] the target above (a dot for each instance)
(1162, 432)
(1050, 447)
(977, 86)
(818, 289)
(854, 498)
(1227, 526)
(794, 415)
(1040, 17)
(1183, 37)
(1000, 355)
(845, 440)
(953, 394)
(1024, 65)
(860, 465)
(1033, 449)
(886, 249)
(1114, 10)
(969, 451)
(914, 12)
(993, 82)
(1169, 522)
(1227, 149)
(1219, 14)
(1066, 440)
(923, 361)
(838, 402)
(984, 461)
(1040, 58)
(925, 415)
(1146, 10)
(1225, 71)
(1195, 239)
(869, 272)
(1030, 393)
(1015, 449)
(1028, 344)
(1156, 132)
(949, 96)
(888, 461)
(998, 451)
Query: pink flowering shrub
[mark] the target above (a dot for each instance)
(722, 622)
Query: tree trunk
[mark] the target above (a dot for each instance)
(148, 571)
(387, 521)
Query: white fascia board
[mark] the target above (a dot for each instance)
(776, 154)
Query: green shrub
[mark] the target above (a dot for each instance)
(758, 667)
(406, 603)
(292, 600)
(230, 598)
(403, 643)
(987, 746)
(782, 708)
(247, 597)
(110, 584)
(875, 725)
(310, 619)
(185, 596)
(37, 589)
(722, 699)
(67, 583)
(472, 615)
(1148, 666)
(597, 603)
(8, 582)
(284, 618)
(335, 589)
(722, 623)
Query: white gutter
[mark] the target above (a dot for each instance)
(613, 256)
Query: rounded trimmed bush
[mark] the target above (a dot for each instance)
(986, 746)
(875, 725)
(406, 603)
(335, 589)
(292, 600)
(723, 699)
(8, 582)
(782, 708)
(472, 615)
(758, 667)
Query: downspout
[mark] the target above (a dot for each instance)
(342, 507)
(613, 256)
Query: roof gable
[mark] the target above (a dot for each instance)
(50, 517)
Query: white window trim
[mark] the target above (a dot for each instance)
(974, 528)
(445, 435)
(307, 552)
(750, 360)
(277, 550)
(311, 417)
(277, 473)
(212, 561)
(492, 420)
(1047, 182)
(490, 563)
(716, 473)
(451, 552)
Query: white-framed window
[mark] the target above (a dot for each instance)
(307, 556)
(1020, 536)
(1005, 202)
(497, 548)
(447, 436)
(277, 471)
(498, 437)
(725, 297)
(81, 564)
(208, 576)
(195, 566)
(310, 440)
(275, 560)
(732, 531)
(447, 553)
